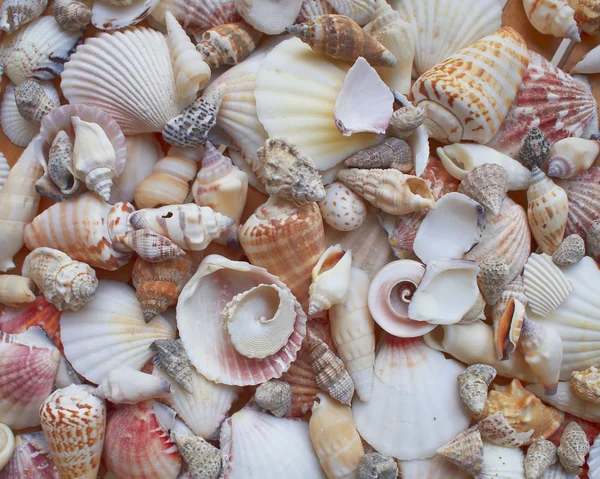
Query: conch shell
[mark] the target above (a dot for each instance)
(553, 17)
(508, 317)
(331, 279)
(65, 283)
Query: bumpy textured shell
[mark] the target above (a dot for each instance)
(274, 396)
(487, 184)
(33, 102)
(228, 44)
(16, 13)
(392, 153)
(583, 193)
(197, 15)
(31, 456)
(170, 357)
(573, 448)
(460, 103)
(540, 456)
(587, 14)
(550, 99)
(570, 251)
(465, 450)
(473, 384)
(202, 458)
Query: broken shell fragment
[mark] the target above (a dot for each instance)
(465, 450)
(487, 184)
(274, 396)
(16, 290)
(586, 384)
(540, 456)
(269, 16)
(570, 251)
(573, 448)
(392, 153)
(473, 385)
(331, 279)
(330, 371)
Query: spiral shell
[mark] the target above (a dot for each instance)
(72, 15)
(474, 383)
(274, 396)
(228, 44)
(33, 102)
(197, 15)
(571, 156)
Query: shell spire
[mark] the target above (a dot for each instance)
(228, 44)
(72, 15)
(330, 371)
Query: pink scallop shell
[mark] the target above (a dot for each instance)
(31, 459)
(583, 193)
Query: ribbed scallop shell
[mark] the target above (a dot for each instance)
(107, 16)
(296, 90)
(206, 341)
(583, 193)
(31, 459)
(128, 75)
(27, 375)
(15, 127)
(550, 99)
(4, 170)
(256, 444)
(137, 447)
(313, 8)
(361, 11)
(415, 406)
(37, 51)
(110, 332)
(205, 409)
(445, 26)
(197, 15)
(546, 286)
(468, 96)
(16, 13)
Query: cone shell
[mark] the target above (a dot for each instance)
(31, 454)
(334, 438)
(228, 44)
(550, 99)
(546, 286)
(570, 251)
(586, 384)
(139, 92)
(487, 184)
(465, 450)
(16, 290)
(136, 445)
(474, 383)
(540, 456)
(16, 13)
(452, 100)
(71, 15)
(110, 332)
(573, 448)
(342, 209)
(73, 421)
(197, 15)
(584, 208)
(553, 17)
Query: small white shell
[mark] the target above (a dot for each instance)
(106, 16)
(590, 63)
(593, 459)
(342, 209)
(126, 385)
(546, 287)
(330, 279)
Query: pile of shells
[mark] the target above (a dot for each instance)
(312, 292)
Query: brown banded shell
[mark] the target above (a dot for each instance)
(573, 448)
(586, 384)
(170, 355)
(228, 44)
(152, 246)
(72, 15)
(392, 153)
(341, 38)
(487, 184)
(465, 450)
(202, 458)
(570, 251)
(540, 456)
(33, 102)
(274, 396)
(473, 386)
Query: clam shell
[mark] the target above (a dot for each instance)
(553, 17)
(566, 400)
(110, 332)
(31, 454)
(16, 13)
(583, 192)
(138, 91)
(546, 286)
(424, 383)
(197, 15)
(558, 104)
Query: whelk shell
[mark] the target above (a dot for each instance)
(392, 153)
(330, 371)
(170, 355)
(553, 17)
(228, 44)
(535, 148)
(546, 286)
(275, 397)
(473, 386)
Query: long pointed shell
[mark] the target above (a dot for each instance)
(228, 44)
(553, 17)
(465, 450)
(171, 357)
(330, 371)
(129, 386)
(546, 286)
(16, 13)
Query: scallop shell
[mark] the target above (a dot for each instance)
(16, 13)
(342, 209)
(546, 286)
(31, 454)
(107, 16)
(436, 467)
(45, 46)
(583, 192)
(454, 32)
(110, 332)
(126, 385)
(16, 128)
(139, 91)
(197, 15)
(500, 461)
(262, 445)
(452, 100)
(16, 290)
(287, 109)
(423, 383)
(560, 105)
(586, 384)
(268, 16)
(73, 421)
(553, 17)
(215, 278)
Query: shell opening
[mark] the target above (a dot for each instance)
(441, 123)
(399, 297)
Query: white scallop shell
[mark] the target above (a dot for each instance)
(445, 26)
(4, 170)
(296, 90)
(556, 471)
(415, 406)
(504, 462)
(110, 332)
(546, 287)
(16, 128)
(107, 16)
(593, 460)
(127, 75)
(342, 209)
(566, 400)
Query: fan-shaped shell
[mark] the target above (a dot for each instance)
(546, 286)
(31, 454)
(197, 15)
(415, 406)
(313, 8)
(138, 89)
(110, 332)
(566, 400)
(583, 194)
(558, 104)
(4, 170)
(361, 11)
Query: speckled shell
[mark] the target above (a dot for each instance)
(228, 44)
(587, 14)
(71, 15)
(16, 13)
(330, 371)
(487, 184)
(540, 455)
(31, 459)
(456, 99)
(197, 15)
(583, 193)
(342, 209)
(553, 17)
(473, 386)
(550, 99)
(586, 384)
(570, 251)
(573, 448)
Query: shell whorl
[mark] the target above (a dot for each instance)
(100, 181)
(71, 15)
(33, 102)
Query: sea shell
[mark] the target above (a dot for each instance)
(16, 290)
(37, 313)
(196, 15)
(171, 357)
(589, 64)
(376, 466)
(362, 12)
(251, 445)
(17, 129)
(59, 169)
(553, 17)
(450, 230)
(342, 209)
(16, 13)
(473, 386)
(523, 410)
(566, 400)
(487, 184)
(18, 205)
(491, 278)
(452, 100)
(4, 170)
(501, 461)
(129, 386)
(392, 153)
(406, 120)
(364, 103)
(268, 16)
(460, 25)
(265, 239)
(28, 374)
(546, 286)
(474, 344)
(37, 51)
(313, 8)
(287, 110)
(228, 44)
(465, 450)
(30, 456)
(460, 159)
(139, 92)
(275, 397)
(390, 190)
(584, 208)
(73, 422)
(571, 156)
(399, 37)
(573, 448)
(508, 317)
(586, 385)
(158, 285)
(203, 460)
(592, 460)
(107, 16)
(137, 444)
(335, 439)
(32, 101)
(540, 456)
(570, 251)
(205, 407)
(168, 184)
(436, 467)
(587, 14)
(221, 280)
(331, 279)
(399, 420)
(446, 293)
(71, 15)
(353, 333)
(560, 105)
(505, 236)
(535, 149)
(330, 372)
(110, 332)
